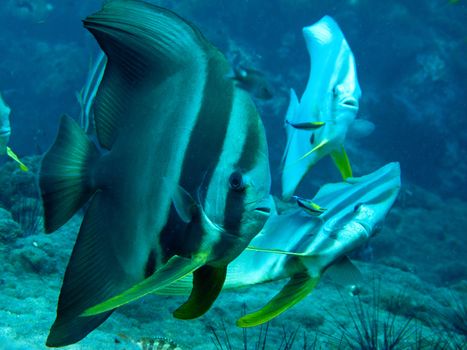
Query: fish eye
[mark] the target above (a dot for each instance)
(236, 182)
(338, 90)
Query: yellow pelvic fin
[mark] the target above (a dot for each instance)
(177, 267)
(207, 284)
(13, 156)
(298, 287)
(342, 162)
(314, 149)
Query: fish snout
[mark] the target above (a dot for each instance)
(5, 132)
(345, 97)
(349, 102)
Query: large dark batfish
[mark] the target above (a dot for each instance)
(183, 184)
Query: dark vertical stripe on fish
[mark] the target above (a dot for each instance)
(249, 154)
(207, 138)
(235, 205)
(203, 152)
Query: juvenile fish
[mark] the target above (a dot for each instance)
(305, 125)
(253, 81)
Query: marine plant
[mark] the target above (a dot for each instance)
(370, 329)
(452, 321)
(457, 315)
(221, 339)
(263, 338)
(27, 212)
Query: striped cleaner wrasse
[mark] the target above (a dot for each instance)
(181, 185)
(5, 132)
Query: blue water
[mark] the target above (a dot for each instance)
(411, 60)
(412, 67)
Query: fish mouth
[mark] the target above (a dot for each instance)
(263, 210)
(4, 132)
(264, 206)
(349, 102)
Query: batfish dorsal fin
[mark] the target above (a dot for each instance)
(207, 284)
(144, 45)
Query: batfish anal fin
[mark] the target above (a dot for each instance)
(13, 156)
(341, 160)
(93, 274)
(298, 287)
(207, 284)
(65, 175)
(177, 267)
(344, 272)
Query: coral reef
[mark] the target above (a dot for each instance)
(412, 69)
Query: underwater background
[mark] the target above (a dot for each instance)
(412, 67)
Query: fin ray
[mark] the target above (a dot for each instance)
(177, 267)
(93, 274)
(65, 174)
(144, 45)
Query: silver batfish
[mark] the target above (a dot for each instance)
(317, 125)
(301, 247)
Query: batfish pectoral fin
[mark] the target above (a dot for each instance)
(360, 128)
(342, 162)
(344, 272)
(13, 156)
(184, 204)
(177, 267)
(207, 284)
(298, 287)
